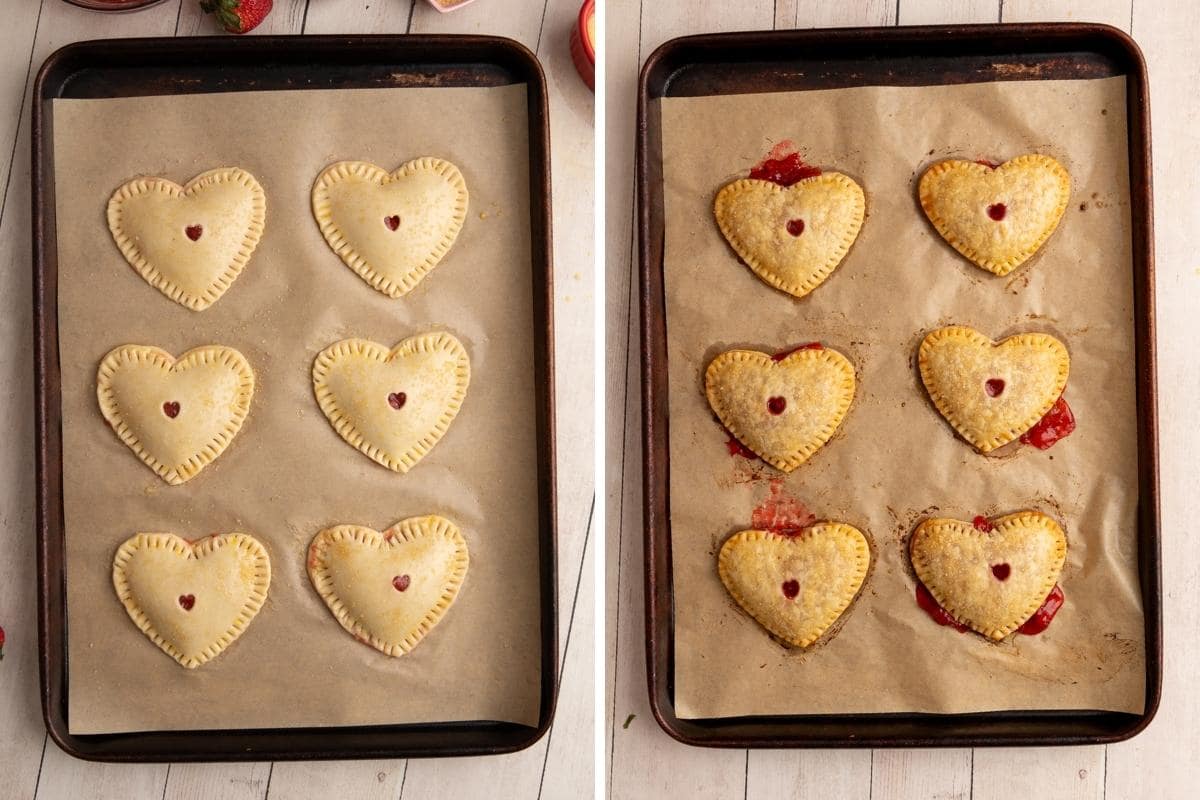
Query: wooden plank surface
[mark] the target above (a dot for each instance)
(34, 767)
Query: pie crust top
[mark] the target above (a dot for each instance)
(391, 228)
(996, 218)
(992, 392)
(991, 581)
(792, 237)
(786, 409)
(795, 585)
(389, 589)
(177, 415)
(189, 242)
(393, 405)
(192, 599)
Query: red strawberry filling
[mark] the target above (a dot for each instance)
(186, 601)
(983, 524)
(987, 163)
(171, 409)
(392, 222)
(1037, 623)
(783, 166)
(795, 226)
(777, 405)
(1001, 571)
(401, 582)
(994, 387)
(194, 232)
(782, 354)
(781, 513)
(1058, 423)
(397, 400)
(997, 211)
(791, 588)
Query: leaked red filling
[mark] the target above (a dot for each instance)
(397, 400)
(171, 409)
(401, 582)
(791, 588)
(784, 167)
(997, 211)
(1042, 618)
(194, 232)
(1001, 571)
(736, 448)
(186, 601)
(1058, 423)
(781, 513)
(982, 523)
(782, 354)
(776, 405)
(392, 222)
(987, 163)
(795, 227)
(931, 607)
(994, 387)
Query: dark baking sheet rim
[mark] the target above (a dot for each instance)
(926, 55)
(157, 66)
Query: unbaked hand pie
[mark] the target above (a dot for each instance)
(993, 392)
(991, 575)
(389, 589)
(783, 407)
(793, 236)
(189, 242)
(177, 415)
(192, 599)
(393, 405)
(795, 585)
(391, 228)
(996, 216)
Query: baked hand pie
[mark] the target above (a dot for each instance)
(189, 242)
(794, 236)
(991, 576)
(192, 599)
(389, 589)
(177, 415)
(391, 228)
(783, 407)
(392, 405)
(795, 585)
(992, 393)
(997, 217)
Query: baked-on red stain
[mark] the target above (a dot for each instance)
(736, 448)
(781, 513)
(776, 405)
(1059, 423)
(194, 232)
(401, 582)
(987, 163)
(186, 601)
(1001, 571)
(997, 211)
(397, 400)
(940, 615)
(171, 409)
(982, 523)
(994, 387)
(783, 166)
(795, 227)
(392, 222)
(1042, 618)
(791, 588)
(782, 354)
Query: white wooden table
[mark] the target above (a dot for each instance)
(558, 766)
(1161, 763)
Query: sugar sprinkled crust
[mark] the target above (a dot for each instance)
(956, 562)
(1033, 191)
(795, 586)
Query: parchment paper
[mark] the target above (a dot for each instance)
(288, 475)
(895, 461)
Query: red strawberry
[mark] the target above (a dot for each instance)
(1, 644)
(237, 16)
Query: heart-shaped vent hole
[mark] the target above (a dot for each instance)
(392, 222)
(401, 582)
(186, 601)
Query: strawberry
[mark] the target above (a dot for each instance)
(237, 16)
(1, 644)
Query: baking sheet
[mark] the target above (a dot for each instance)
(288, 475)
(894, 461)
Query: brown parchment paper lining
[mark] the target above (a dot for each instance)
(288, 475)
(894, 460)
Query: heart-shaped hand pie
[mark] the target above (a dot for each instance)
(996, 217)
(795, 586)
(990, 580)
(176, 415)
(990, 392)
(192, 599)
(189, 242)
(389, 589)
(793, 237)
(394, 406)
(784, 409)
(391, 228)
